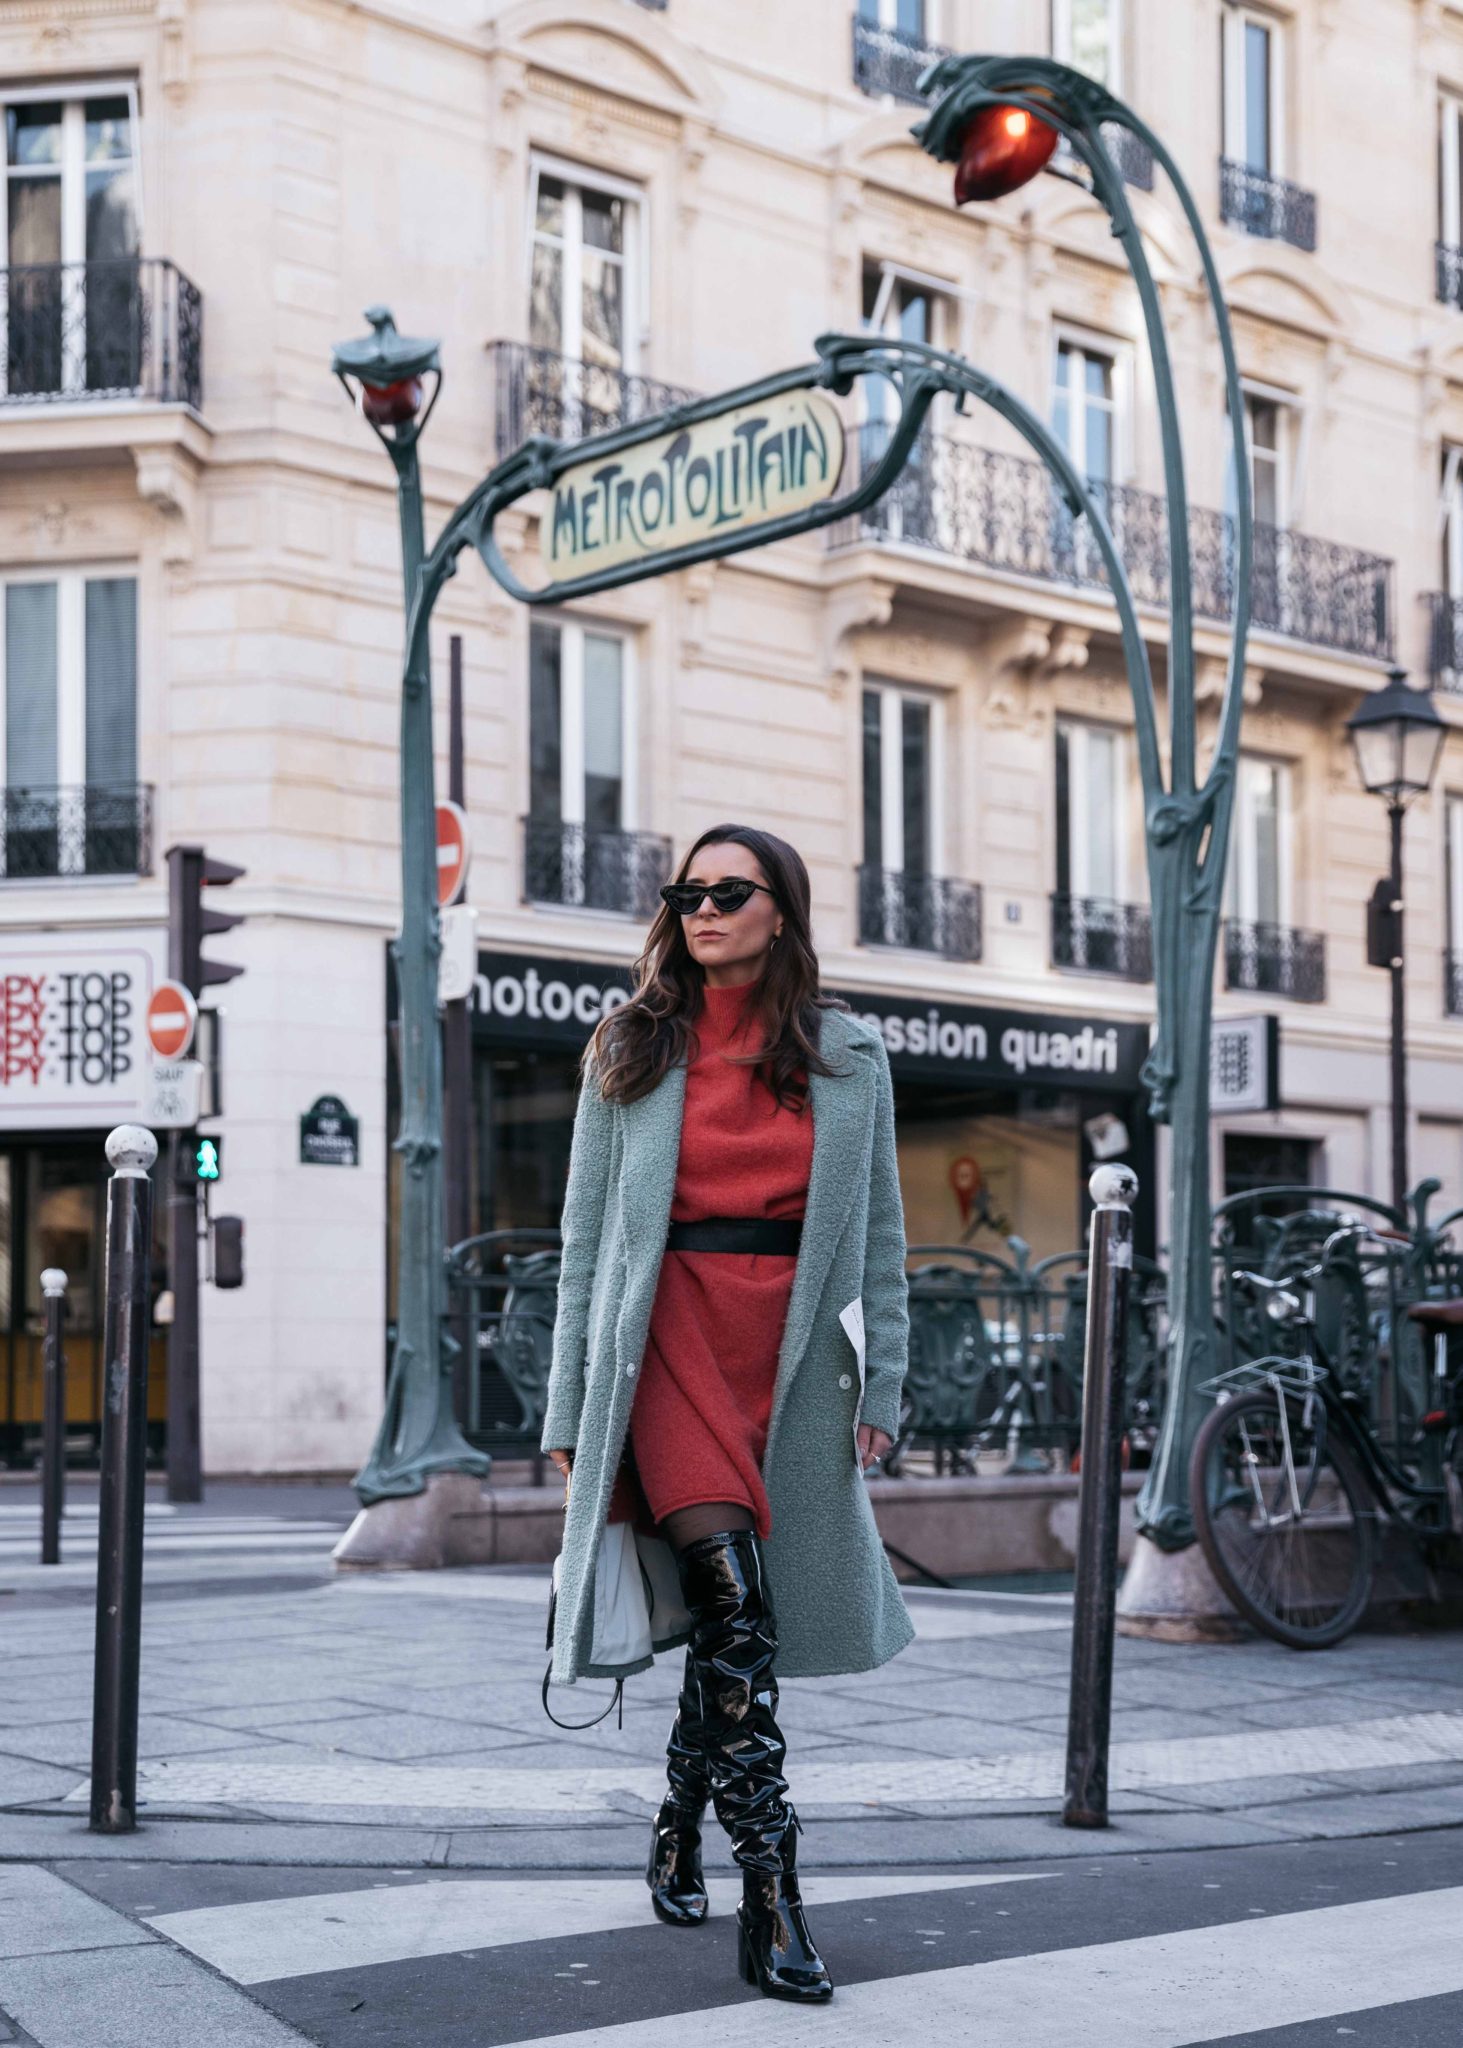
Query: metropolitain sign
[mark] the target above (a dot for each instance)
(733, 474)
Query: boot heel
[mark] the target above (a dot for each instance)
(746, 1968)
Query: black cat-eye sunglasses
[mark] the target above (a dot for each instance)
(685, 898)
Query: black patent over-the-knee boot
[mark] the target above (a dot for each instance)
(734, 1644)
(677, 1889)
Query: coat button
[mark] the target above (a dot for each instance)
(629, 1372)
(844, 1380)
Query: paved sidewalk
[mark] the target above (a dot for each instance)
(291, 1714)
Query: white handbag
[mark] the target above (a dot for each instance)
(635, 1578)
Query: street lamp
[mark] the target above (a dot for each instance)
(1398, 736)
(385, 374)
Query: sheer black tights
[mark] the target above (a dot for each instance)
(705, 1518)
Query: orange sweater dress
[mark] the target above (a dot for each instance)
(698, 1427)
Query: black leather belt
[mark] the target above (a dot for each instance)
(772, 1234)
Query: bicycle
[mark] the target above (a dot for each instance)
(1289, 1477)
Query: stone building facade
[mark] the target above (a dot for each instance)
(598, 205)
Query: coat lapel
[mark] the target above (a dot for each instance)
(652, 1143)
(842, 1133)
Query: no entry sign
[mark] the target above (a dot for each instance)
(172, 1018)
(452, 852)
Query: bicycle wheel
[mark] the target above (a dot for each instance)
(1284, 1517)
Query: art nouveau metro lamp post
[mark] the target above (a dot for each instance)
(386, 375)
(1398, 736)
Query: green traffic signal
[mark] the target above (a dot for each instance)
(207, 1159)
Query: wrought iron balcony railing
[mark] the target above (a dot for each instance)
(1265, 205)
(1448, 262)
(96, 829)
(1453, 984)
(587, 870)
(1004, 512)
(1273, 960)
(1445, 640)
(129, 329)
(541, 392)
(927, 913)
(1094, 936)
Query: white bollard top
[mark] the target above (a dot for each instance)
(131, 1152)
(1113, 1187)
(53, 1281)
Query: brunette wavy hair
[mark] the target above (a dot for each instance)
(636, 1045)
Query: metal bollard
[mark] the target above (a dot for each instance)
(132, 1151)
(1099, 1505)
(53, 1418)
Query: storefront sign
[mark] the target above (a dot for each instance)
(741, 470)
(329, 1134)
(558, 1002)
(74, 1053)
(1244, 1065)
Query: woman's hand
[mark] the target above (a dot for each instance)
(872, 1444)
(564, 1460)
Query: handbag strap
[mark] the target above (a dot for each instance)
(617, 1699)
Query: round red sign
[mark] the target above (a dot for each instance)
(172, 1018)
(452, 852)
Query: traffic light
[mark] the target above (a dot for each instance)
(228, 1251)
(200, 1160)
(190, 872)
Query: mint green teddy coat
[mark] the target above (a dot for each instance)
(836, 1600)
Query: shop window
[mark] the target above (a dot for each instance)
(1253, 49)
(1087, 34)
(72, 232)
(68, 675)
(1091, 807)
(1259, 853)
(585, 284)
(1269, 1159)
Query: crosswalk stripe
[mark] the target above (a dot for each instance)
(267, 1939)
(261, 1781)
(1204, 1984)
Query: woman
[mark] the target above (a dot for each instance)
(728, 1353)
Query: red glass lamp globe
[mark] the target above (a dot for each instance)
(392, 405)
(1002, 149)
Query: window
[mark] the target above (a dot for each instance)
(900, 738)
(1270, 441)
(1450, 521)
(908, 16)
(1085, 407)
(579, 715)
(584, 282)
(72, 239)
(1087, 35)
(1091, 808)
(1259, 852)
(904, 306)
(68, 659)
(1453, 857)
(1253, 129)
(1450, 174)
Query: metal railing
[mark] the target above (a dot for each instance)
(1274, 960)
(538, 391)
(1093, 935)
(103, 829)
(125, 329)
(1453, 984)
(504, 1288)
(1448, 273)
(1004, 511)
(587, 870)
(1445, 640)
(890, 60)
(927, 913)
(1265, 205)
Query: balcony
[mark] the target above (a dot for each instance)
(587, 870)
(78, 831)
(1273, 960)
(1445, 641)
(541, 392)
(926, 913)
(1091, 935)
(889, 62)
(86, 331)
(1453, 984)
(1004, 512)
(1269, 207)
